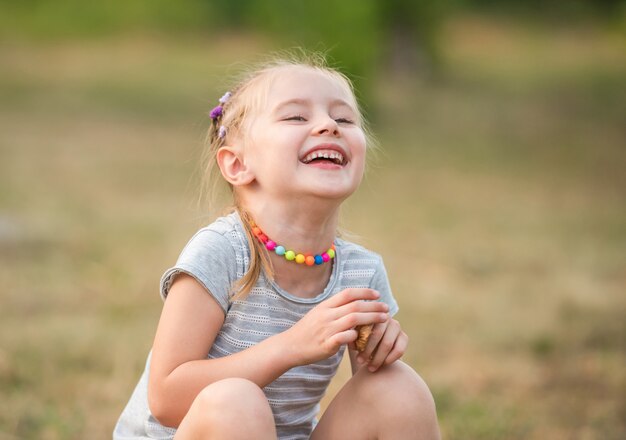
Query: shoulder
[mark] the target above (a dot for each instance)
(353, 254)
(224, 236)
(226, 226)
(358, 266)
(216, 256)
(361, 267)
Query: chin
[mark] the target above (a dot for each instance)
(325, 186)
(332, 192)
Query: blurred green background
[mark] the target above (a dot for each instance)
(498, 200)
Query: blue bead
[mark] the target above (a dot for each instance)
(319, 259)
(279, 250)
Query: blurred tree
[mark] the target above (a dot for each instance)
(411, 30)
(552, 8)
(347, 31)
(359, 35)
(75, 18)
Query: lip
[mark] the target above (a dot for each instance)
(328, 146)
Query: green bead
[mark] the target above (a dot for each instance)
(290, 255)
(331, 253)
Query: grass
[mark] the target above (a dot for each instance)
(497, 202)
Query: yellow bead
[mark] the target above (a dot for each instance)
(300, 258)
(290, 255)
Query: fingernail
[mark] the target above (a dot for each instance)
(372, 369)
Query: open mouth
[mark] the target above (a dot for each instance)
(324, 157)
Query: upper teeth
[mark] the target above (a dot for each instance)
(333, 155)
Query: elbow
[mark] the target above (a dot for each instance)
(162, 408)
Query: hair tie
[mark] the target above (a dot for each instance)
(225, 98)
(218, 111)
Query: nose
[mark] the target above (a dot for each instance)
(327, 126)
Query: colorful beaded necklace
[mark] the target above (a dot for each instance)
(289, 255)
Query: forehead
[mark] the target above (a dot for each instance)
(303, 83)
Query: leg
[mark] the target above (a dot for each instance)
(229, 409)
(392, 403)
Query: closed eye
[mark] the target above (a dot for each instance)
(295, 118)
(344, 121)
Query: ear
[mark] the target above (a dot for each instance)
(233, 167)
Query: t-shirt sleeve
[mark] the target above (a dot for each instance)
(380, 282)
(209, 258)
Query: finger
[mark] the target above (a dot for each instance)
(399, 348)
(384, 347)
(345, 337)
(350, 321)
(349, 295)
(360, 307)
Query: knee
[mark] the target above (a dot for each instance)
(231, 400)
(230, 408)
(234, 396)
(398, 391)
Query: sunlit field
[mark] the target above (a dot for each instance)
(498, 200)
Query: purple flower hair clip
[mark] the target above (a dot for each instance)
(221, 133)
(217, 112)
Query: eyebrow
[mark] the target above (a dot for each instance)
(307, 102)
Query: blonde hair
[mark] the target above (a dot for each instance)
(247, 97)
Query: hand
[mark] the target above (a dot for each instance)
(386, 344)
(329, 325)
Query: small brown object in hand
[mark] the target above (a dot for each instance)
(364, 333)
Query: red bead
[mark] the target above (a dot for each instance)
(263, 238)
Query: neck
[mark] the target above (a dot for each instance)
(301, 225)
(306, 226)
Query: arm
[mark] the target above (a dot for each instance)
(179, 369)
(191, 319)
(354, 366)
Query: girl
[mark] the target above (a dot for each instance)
(262, 303)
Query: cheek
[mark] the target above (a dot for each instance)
(359, 145)
(256, 144)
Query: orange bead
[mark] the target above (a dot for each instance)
(310, 260)
(256, 231)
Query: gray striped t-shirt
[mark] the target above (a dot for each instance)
(218, 255)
